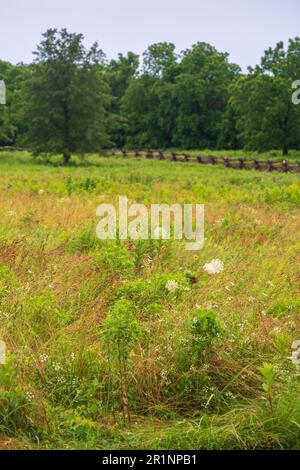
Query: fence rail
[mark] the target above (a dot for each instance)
(242, 163)
(15, 149)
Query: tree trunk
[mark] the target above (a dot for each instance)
(67, 157)
(285, 151)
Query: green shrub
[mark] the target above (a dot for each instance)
(114, 256)
(147, 295)
(204, 328)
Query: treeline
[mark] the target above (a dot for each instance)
(73, 100)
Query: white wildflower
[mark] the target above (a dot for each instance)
(2, 352)
(44, 358)
(41, 191)
(296, 344)
(29, 396)
(164, 374)
(214, 267)
(295, 357)
(185, 289)
(172, 286)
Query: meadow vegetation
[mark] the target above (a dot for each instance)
(126, 345)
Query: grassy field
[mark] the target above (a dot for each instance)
(101, 355)
(274, 154)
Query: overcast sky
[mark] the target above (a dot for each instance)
(244, 28)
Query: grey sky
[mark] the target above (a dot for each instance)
(244, 28)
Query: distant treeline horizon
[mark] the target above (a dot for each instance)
(73, 100)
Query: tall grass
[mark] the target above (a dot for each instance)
(190, 374)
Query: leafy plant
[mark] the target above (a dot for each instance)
(204, 328)
(269, 377)
(120, 332)
(115, 257)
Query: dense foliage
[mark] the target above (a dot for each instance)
(73, 100)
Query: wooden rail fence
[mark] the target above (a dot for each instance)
(242, 163)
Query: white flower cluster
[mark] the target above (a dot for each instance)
(172, 286)
(214, 267)
(29, 396)
(57, 366)
(295, 357)
(44, 358)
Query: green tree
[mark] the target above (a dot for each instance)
(119, 74)
(202, 90)
(11, 124)
(148, 106)
(138, 107)
(159, 58)
(67, 97)
(262, 101)
(178, 101)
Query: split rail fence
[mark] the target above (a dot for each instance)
(242, 163)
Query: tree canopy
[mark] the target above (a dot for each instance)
(67, 97)
(71, 99)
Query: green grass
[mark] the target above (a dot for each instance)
(65, 297)
(271, 155)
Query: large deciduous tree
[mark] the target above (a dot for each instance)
(202, 90)
(67, 97)
(262, 101)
